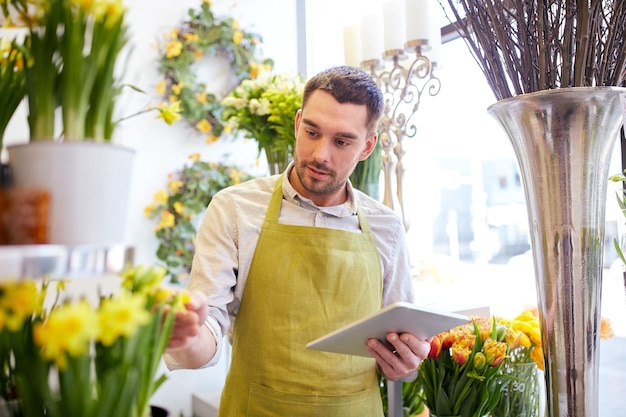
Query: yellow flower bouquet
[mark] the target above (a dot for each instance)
(76, 359)
(461, 376)
(523, 363)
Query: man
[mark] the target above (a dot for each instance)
(283, 260)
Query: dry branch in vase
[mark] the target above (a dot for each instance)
(523, 46)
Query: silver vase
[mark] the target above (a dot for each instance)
(563, 140)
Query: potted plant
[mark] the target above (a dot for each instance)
(72, 49)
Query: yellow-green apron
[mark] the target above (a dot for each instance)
(303, 283)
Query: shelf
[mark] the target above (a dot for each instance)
(59, 261)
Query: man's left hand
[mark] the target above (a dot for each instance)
(402, 360)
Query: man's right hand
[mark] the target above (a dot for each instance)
(189, 324)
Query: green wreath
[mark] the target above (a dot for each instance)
(176, 209)
(199, 35)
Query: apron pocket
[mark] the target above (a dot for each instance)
(267, 402)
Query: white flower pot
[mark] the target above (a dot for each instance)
(88, 182)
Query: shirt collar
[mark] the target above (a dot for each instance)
(342, 210)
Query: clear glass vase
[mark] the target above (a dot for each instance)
(521, 397)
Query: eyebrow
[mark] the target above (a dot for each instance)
(346, 135)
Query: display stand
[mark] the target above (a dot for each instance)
(63, 262)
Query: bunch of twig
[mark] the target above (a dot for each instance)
(523, 46)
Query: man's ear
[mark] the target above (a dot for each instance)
(297, 123)
(370, 144)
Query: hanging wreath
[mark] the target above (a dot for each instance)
(201, 35)
(177, 208)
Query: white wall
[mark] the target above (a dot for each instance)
(161, 149)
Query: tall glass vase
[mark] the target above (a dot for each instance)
(277, 160)
(563, 140)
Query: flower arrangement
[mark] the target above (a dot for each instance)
(524, 361)
(76, 359)
(527, 46)
(12, 81)
(188, 193)
(264, 109)
(461, 376)
(71, 51)
(204, 34)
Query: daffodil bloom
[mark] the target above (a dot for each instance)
(167, 220)
(178, 207)
(191, 37)
(174, 186)
(19, 301)
(68, 330)
(170, 113)
(202, 97)
(121, 316)
(161, 196)
(211, 139)
(204, 126)
(237, 37)
(160, 87)
(194, 157)
(177, 88)
(173, 49)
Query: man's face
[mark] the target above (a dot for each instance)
(331, 138)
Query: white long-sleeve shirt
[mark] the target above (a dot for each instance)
(230, 228)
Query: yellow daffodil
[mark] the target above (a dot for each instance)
(68, 330)
(167, 220)
(178, 207)
(160, 196)
(170, 113)
(211, 139)
(173, 49)
(160, 87)
(191, 37)
(194, 157)
(204, 126)
(177, 88)
(121, 316)
(237, 37)
(174, 186)
(202, 97)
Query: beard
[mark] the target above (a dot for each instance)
(316, 186)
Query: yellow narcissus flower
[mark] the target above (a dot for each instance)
(194, 157)
(173, 49)
(161, 196)
(68, 330)
(160, 87)
(211, 139)
(142, 279)
(174, 186)
(178, 207)
(19, 301)
(191, 37)
(202, 97)
(204, 126)
(237, 37)
(121, 316)
(170, 113)
(167, 220)
(177, 88)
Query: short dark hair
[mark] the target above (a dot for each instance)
(349, 85)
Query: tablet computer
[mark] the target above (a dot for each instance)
(398, 317)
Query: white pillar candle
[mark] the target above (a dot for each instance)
(352, 45)
(417, 19)
(372, 36)
(435, 42)
(395, 24)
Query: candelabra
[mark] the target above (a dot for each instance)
(403, 82)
